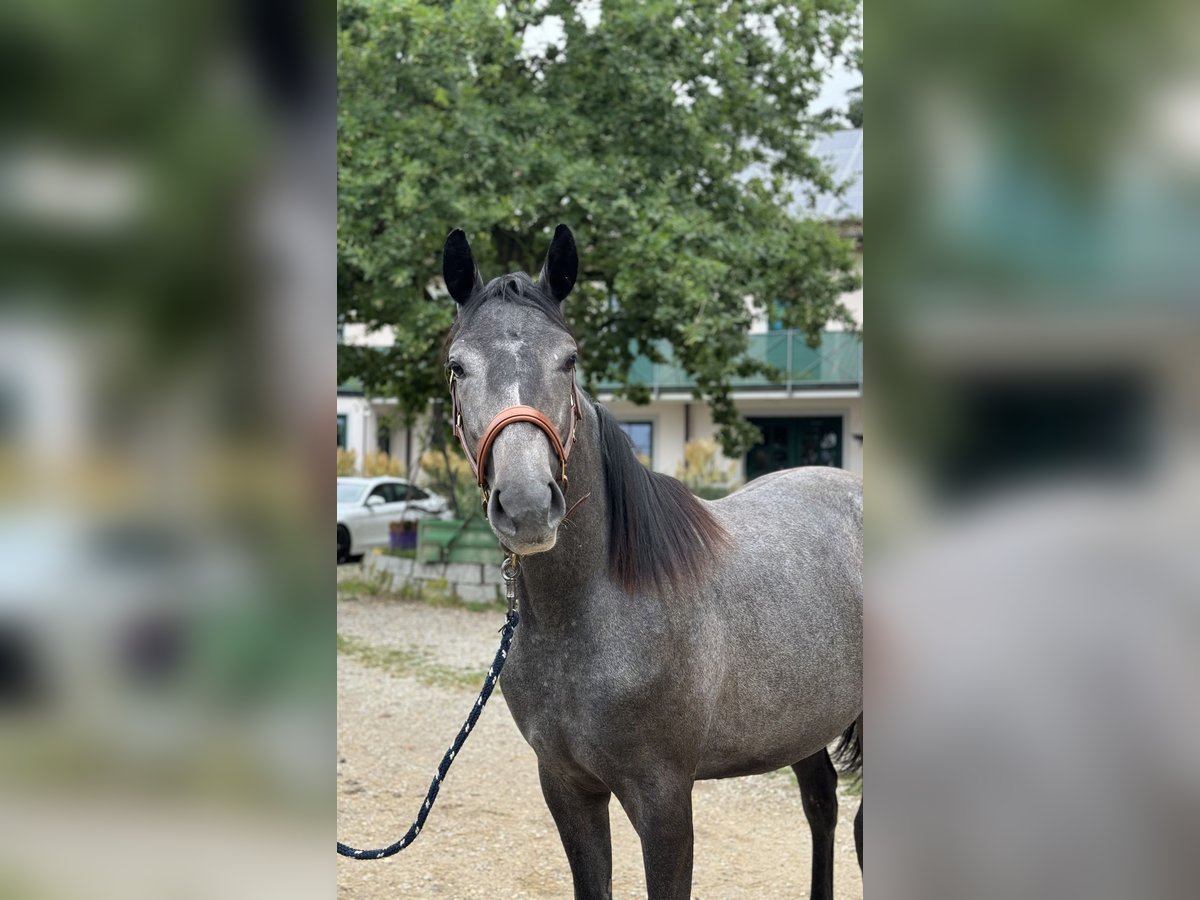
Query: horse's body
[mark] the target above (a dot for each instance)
(755, 666)
(663, 639)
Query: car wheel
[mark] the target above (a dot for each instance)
(343, 544)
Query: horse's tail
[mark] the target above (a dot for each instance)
(848, 753)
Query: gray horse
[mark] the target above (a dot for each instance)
(663, 639)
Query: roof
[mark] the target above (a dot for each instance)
(842, 154)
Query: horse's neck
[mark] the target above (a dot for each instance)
(557, 581)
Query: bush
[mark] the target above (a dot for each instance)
(448, 473)
(382, 464)
(347, 462)
(703, 472)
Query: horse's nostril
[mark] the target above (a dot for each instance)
(558, 504)
(498, 514)
(517, 508)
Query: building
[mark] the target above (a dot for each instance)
(813, 416)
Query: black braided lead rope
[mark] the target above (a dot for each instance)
(489, 682)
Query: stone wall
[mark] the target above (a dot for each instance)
(469, 582)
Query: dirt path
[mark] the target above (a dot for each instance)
(407, 674)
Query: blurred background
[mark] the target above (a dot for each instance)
(166, 657)
(1033, 657)
(1033, 632)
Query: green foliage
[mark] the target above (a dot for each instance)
(634, 132)
(854, 110)
(446, 472)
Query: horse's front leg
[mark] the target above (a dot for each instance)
(660, 809)
(581, 814)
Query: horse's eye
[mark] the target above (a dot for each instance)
(571, 360)
(456, 369)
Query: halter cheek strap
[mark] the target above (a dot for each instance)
(509, 416)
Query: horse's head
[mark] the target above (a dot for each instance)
(510, 347)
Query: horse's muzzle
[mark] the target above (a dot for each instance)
(526, 515)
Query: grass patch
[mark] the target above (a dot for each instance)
(408, 662)
(368, 584)
(431, 592)
(437, 592)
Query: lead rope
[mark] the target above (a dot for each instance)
(509, 570)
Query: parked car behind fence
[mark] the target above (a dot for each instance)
(367, 506)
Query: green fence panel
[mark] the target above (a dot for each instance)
(452, 540)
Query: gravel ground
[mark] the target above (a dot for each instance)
(407, 674)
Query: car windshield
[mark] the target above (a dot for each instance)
(350, 493)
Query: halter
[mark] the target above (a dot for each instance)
(509, 416)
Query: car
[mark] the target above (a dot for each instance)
(366, 506)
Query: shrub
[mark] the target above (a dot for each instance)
(347, 462)
(703, 472)
(447, 473)
(382, 464)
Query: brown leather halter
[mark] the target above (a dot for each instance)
(509, 416)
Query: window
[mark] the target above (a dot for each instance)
(341, 432)
(413, 493)
(795, 441)
(384, 438)
(642, 436)
(349, 492)
(391, 493)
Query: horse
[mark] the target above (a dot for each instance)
(664, 639)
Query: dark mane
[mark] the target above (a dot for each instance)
(659, 534)
(516, 288)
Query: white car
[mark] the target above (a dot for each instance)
(366, 506)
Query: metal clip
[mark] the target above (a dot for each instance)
(509, 569)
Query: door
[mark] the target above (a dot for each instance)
(375, 523)
(795, 441)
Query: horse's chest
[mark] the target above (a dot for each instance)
(550, 699)
(585, 704)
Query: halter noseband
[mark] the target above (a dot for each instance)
(508, 416)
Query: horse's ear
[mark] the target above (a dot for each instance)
(562, 264)
(458, 267)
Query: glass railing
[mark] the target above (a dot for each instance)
(836, 362)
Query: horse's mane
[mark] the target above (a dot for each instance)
(659, 534)
(516, 288)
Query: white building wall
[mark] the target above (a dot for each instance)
(361, 425)
(358, 335)
(363, 418)
(668, 418)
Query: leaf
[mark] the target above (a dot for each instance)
(634, 131)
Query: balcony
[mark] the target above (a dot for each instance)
(837, 364)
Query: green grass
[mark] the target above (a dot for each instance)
(368, 584)
(432, 592)
(408, 662)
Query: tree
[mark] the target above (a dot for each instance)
(636, 130)
(854, 108)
